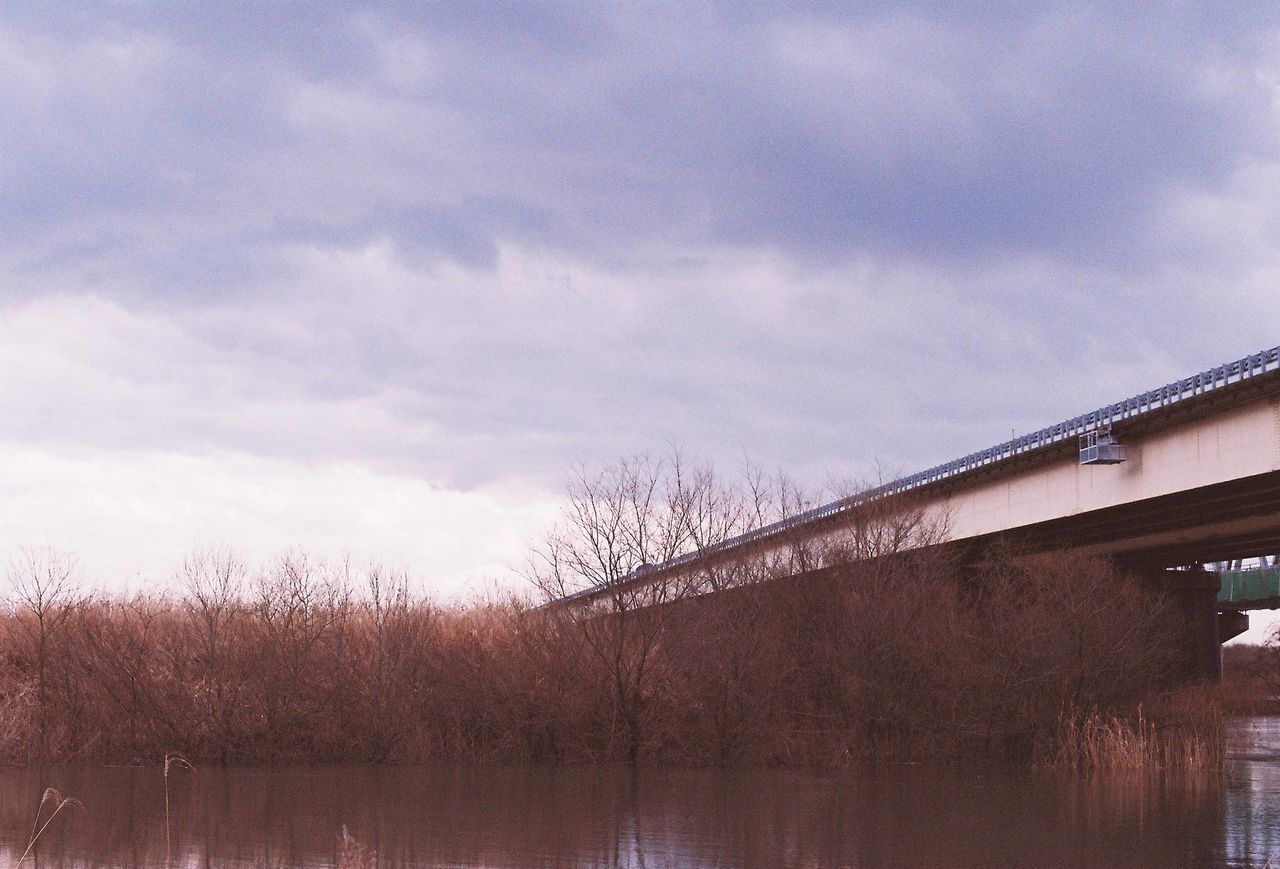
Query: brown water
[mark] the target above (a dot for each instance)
(516, 817)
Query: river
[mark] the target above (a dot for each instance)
(890, 816)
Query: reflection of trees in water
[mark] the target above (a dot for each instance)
(490, 816)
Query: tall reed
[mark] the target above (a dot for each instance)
(59, 802)
(171, 759)
(1096, 740)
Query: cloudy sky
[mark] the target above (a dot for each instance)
(373, 278)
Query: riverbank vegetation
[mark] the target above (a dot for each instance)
(1179, 730)
(1251, 679)
(884, 648)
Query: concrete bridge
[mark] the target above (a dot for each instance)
(1163, 482)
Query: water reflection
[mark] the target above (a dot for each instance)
(1251, 793)
(509, 817)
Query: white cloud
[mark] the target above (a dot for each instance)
(130, 517)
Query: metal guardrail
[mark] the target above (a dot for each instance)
(1067, 430)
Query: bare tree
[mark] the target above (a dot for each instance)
(878, 525)
(401, 628)
(214, 581)
(294, 605)
(46, 595)
(773, 499)
(619, 526)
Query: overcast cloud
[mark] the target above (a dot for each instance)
(447, 250)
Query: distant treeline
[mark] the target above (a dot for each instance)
(883, 649)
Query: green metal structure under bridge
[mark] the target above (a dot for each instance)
(1253, 588)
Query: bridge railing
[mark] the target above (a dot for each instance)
(1067, 430)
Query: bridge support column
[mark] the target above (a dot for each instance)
(1194, 595)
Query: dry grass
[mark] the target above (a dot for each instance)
(1100, 741)
(1185, 733)
(172, 759)
(59, 802)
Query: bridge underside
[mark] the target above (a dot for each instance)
(1232, 520)
(1236, 519)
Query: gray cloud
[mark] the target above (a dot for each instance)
(456, 128)
(469, 242)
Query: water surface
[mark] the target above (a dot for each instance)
(590, 816)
